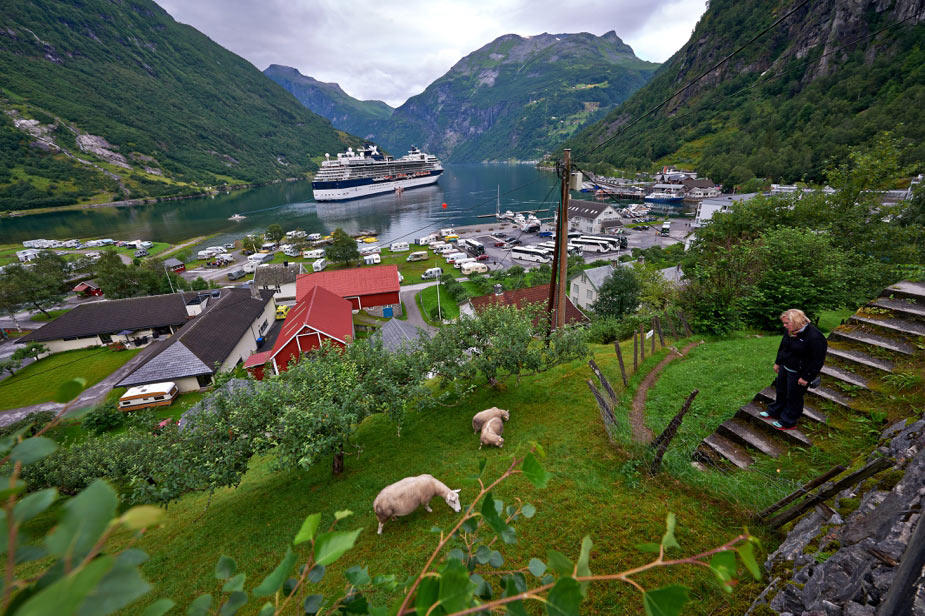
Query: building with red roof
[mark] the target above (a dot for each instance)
(364, 287)
(319, 315)
(88, 288)
(530, 295)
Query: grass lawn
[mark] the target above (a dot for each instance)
(427, 301)
(39, 381)
(52, 314)
(591, 493)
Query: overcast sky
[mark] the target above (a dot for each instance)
(388, 50)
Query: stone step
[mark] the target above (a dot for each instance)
(750, 412)
(859, 357)
(912, 290)
(854, 335)
(769, 395)
(742, 432)
(729, 450)
(844, 375)
(902, 326)
(832, 396)
(900, 305)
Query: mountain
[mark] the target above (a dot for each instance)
(105, 100)
(517, 96)
(330, 101)
(831, 76)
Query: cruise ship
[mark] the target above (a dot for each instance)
(367, 171)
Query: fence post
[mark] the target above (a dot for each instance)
(616, 346)
(664, 439)
(687, 327)
(674, 333)
(604, 382)
(658, 328)
(653, 336)
(635, 351)
(642, 343)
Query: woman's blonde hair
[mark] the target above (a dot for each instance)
(796, 316)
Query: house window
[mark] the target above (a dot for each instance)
(263, 326)
(590, 293)
(106, 338)
(204, 380)
(158, 397)
(575, 289)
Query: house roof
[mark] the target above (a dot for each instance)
(672, 274)
(588, 210)
(610, 224)
(171, 262)
(86, 284)
(396, 333)
(271, 275)
(115, 315)
(208, 340)
(698, 183)
(320, 310)
(530, 295)
(258, 359)
(597, 275)
(351, 282)
(728, 199)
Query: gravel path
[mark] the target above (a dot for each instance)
(641, 432)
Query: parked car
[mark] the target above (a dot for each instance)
(237, 274)
(514, 241)
(281, 312)
(642, 228)
(483, 258)
(545, 234)
(247, 253)
(433, 272)
(499, 244)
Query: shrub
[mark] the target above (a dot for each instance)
(605, 330)
(104, 418)
(36, 420)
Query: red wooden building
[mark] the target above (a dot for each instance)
(88, 288)
(364, 288)
(319, 315)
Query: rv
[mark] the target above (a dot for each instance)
(453, 257)
(372, 259)
(224, 259)
(446, 232)
(666, 228)
(155, 394)
(216, 249)
(289, 250)
(433, 272)
(317, 253)
(249, 267)
(445, 249)
(399, 246)
(427, 239)
(474, 267)
(370, 250)
(267, 247)
(260, 257)
(417, 256)
(313, 237)
(460, 262)
(319, 265)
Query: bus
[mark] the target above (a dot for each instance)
(528, 253)
(612, 242)
(551, 247)
(473, 247)
(666, 228)
(590, 245)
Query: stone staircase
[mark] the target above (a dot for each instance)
(861, 352)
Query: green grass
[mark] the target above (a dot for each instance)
(589, 495)
(830, 319)
(427, 301)
(39, 381)
(52, 314)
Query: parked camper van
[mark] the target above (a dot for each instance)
(421, 255)
(453, 257)
(313, 254)
(372, 259)
(267, 247)
(249, 267)
(314, 237)
(445, 249)
(319, 265)
(204, 255)
(460, 262)
(143, 396)
(216, 249)
(141, 252)
(433, 272)
(474, 267)
(399, 246)
(289, 250)
(370, 250)
(427, 239)
(260, 257)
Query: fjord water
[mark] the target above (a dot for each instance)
(468, 190)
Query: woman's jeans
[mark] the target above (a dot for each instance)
(788, 407)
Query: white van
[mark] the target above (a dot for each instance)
(268, 247)
(260, 257)
(313, 254)
(433, 272)
(319, 265)
(436, 244)
(448, 231)
(250, 267)
(372, 259)
(204, 255)
(453, 257)
(224, 258)
(399, 246)
(417, 256)
(445, 249)
(460, 262)
(473, 267)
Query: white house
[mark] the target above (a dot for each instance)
(589, 216)
(723, 203)
(279, 278)
(585, 287)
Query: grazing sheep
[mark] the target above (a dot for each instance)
(403, 497)
(491, 433)
(479, 419)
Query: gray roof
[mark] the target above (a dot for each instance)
(174, 362)
(171, 262)
(672, 274)
(609, 224)
(276, 274)
(597, 275)
(728, 199)
(210, 401)
(589, 210)
(396, 333)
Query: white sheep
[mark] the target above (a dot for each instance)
(479, 419)
(491, 433)
(405, 496)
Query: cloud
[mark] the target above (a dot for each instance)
(387, 51)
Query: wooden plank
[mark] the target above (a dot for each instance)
(687, 327)
(658, 328)
(873, 340)
(616, 346)
(604, 383)
(750, 412)
(729, 450)
(635, 352)
(642, 344)
(660, 444)
(742, 431)
(674, 333)
(838, 469)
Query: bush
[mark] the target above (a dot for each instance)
(605, 330)
(104, 418)
(36, 420)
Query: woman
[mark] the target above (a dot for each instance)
(799, 360)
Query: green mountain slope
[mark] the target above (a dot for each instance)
(822, 81)
(105, 100)
(517, 96)
(330, 101)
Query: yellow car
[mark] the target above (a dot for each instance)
(281, 312)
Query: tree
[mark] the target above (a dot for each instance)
(11, 298)
(43, 285)
(10, 365)
(252, 242)
(274, 233)
(33, 350)
(619, 295)
(343, 249)
(116, 279)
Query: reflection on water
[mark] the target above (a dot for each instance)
(467, 190)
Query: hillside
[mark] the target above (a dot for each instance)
(517, 96)
(106, 100)
(822, 81)
(330, 101)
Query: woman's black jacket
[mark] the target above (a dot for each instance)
(804, 352)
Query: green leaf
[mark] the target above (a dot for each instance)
(142, 516)
(723, 565)
(235, 602)
(34, 504)
(649, 547)
(77, 412)
(534, 472)
(482, 463)
(18, 486)
(560, 563)
(378, 610)
(490, 515)
(665, 601)
(483, 554)
(469, 526)
(582, 569)
(159, 608)
(70, 390)
(132, 557)
(312, 604)
(340, 515)
(514, 608)
(85, 518)
(564, 598)
(33, 449)
(66, 594)
(540, 452)
(235, 584)
(386, 581)
(331, 546)
(428, 593)
(307, 532)
(225, 568)
(200, 606)
(274, 581)
(436, 529)
(316, 573)
(668, 540)
(456, 553)
(268, 609)
(356, 606)
(747, 554)
(496, 559)
(455, 587)
(537, 567)
(357, 575)
(528, 511)
(482, 588)
(120, 586)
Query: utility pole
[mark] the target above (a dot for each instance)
(563, 241)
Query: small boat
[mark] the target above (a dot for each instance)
(370, 240)
(237, 217)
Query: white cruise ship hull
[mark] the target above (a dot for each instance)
(372, 188)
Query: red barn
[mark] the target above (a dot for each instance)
(366, 287)
(88, 288)
(320, 315)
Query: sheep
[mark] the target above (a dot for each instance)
(480, 418)
(491, 433)
(405, 496)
